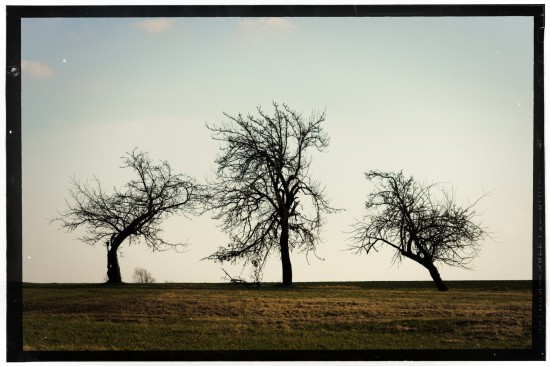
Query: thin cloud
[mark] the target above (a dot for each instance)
(155, 26)
(266, 25)
(36, 70)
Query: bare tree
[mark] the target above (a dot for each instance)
(133, 213)
(419, 224)
(141, 275)
(263, 193)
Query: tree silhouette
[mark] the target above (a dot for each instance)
(263, 193)
(133, 213)
(419, 224)
(141, 275)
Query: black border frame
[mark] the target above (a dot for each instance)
(14, 187)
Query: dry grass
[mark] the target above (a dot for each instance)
(304, 317)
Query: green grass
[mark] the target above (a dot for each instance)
(307, 316)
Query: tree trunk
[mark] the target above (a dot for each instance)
(113, 269)
(285, 256)
(436, 277)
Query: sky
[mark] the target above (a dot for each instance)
(443, 99)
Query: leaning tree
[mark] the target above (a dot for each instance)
(133, 213)
(419, 222)
(263, 194)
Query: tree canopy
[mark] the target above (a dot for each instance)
(133, 213)
(419, 223)
(263, 193)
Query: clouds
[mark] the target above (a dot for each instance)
(36, 70)
(252, 26)
(155, 26)
(266, 25)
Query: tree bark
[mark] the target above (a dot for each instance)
(113, 268)
(285, 256)
(436, 277)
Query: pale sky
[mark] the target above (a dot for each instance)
(445, 99)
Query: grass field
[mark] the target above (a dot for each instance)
(307, 316)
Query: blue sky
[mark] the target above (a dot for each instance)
(445, 99)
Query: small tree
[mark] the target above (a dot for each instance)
(133, 213)
(418, 224)
(141, 275)
(263, 193)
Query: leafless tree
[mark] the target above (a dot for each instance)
(133, 213)
(141, 275)
(425, 226)
(263, 193)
